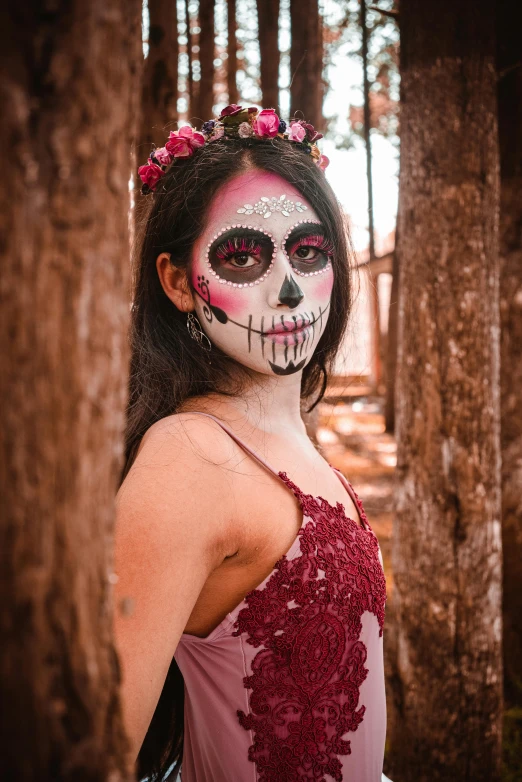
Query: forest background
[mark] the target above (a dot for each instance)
(81, 108)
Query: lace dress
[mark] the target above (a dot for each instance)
(290, 685)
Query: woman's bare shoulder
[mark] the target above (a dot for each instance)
(185, 463)
(190, 436)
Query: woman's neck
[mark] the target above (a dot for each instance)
(269, 404)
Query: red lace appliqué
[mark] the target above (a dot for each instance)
(306, 679)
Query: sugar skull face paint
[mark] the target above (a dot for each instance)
(262, 295)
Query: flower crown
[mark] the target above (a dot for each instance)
(233, 122)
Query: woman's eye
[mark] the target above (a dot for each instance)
(306, 253)
(241, 258)
(243, 261)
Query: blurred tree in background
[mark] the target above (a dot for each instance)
(268, 23)
(160, 78)
(306, 62)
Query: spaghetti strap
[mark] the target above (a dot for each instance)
(349, 488)
(240, 442)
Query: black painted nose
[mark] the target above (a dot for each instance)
(290, 293)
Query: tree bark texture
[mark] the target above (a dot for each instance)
(446, 554)
(205, 96)
(306, 62)
(233, 95)
(70, 90)
(509, 23)
(268, 19)
(160, 77)
(190, 75)
(367, 136)
(391, 347)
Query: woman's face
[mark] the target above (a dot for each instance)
(262, 274)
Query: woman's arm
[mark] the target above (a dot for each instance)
(172, 530)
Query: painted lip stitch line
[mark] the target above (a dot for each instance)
(289, 333)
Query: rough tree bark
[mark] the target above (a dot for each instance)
(391, 347)
(70, 87)
(205, 96)
(190, 75)
(233, 95)
(446, 553)
(160, 77)
(268, 18)
(510, 137)
(306, 62)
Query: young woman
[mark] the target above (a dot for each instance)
(250, 587)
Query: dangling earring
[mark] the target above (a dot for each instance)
(197, 333)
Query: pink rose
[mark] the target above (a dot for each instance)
(323, 162)
(266, 123)
(150, 174)
(184, 142)
(163, 156)
(296, 132)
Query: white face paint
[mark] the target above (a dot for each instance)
(263, 286)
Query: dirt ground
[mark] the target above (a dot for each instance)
(352, 437)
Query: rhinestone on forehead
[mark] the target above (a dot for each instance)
(240, 284)
(283, 245)
(267, 206)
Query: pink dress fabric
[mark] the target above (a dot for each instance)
(290, 685)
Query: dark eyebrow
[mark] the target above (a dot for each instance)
(305, 229)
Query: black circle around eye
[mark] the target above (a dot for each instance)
(230, 254)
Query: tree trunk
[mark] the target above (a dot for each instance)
(306, 62)
(70, 88)
(446, 555)
(233, 96)
(268, 17)
(367, 137)
(205, 99)
(510, 136)
(391, 348)
(160, 77)
(190, 74)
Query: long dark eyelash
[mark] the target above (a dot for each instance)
(314, 240)
(237, 245)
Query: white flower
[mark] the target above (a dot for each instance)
(245, 130)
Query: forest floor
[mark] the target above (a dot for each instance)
(352, 437)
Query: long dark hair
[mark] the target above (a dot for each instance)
(166, 369)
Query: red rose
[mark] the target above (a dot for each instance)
(229, 111)
(150, 174)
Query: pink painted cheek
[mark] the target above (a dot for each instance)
(322, 288)
(228, 302)
(225, 297)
